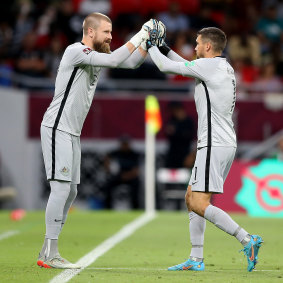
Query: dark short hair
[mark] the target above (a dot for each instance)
(216, 36)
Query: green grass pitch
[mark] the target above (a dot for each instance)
(144, 256)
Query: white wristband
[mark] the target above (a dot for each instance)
(143, 45)
(137, 39)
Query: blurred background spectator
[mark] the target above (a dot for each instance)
(53, 56)
(244, 47)
(34, 34)
(122, 168)
(30, 59)
(180, 132)
(176, 21)
(268, 81)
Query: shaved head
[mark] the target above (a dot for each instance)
(93, 21)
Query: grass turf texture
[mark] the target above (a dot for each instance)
(143, 257)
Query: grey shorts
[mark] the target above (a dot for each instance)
(61, 154)
(211, 168)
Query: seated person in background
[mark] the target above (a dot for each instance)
(180, 130)
(175, 20)
(244, 47)
(268, 81)
(123, 166)
(30, 59)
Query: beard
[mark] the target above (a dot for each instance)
(102, 47)
(200, 55)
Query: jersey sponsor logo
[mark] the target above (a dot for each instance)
(57, 220)
(87, 50)
(65, 171)
(190, 64)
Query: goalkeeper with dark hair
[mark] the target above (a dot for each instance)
(215, 97)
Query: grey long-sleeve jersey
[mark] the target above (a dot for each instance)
(215, 94)
(76, 82)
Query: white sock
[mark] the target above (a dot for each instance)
(223, 221)
(242, 236)
(55, 206)
(51, 248)
(197, 229)
(68, 204)
(43, 249)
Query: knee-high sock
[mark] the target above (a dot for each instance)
(197, 229)
(49, 249)
(43, 249)
(68, 204)
(223, 221)
(55, 206)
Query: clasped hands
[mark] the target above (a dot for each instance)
(152, 33)
(155, 34)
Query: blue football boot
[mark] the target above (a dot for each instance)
(188, 265)
(251, 251)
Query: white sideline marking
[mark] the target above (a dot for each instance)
(126, 268)
(8, 234)
(104, 247)
(163, 269)
(266, 270)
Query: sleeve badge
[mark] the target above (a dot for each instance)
(87, 50)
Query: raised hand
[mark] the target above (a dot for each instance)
(149, 25)
(162, 46)
(153, 33)
(143, 34)
(162, 34)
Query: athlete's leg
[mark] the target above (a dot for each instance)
(76, 172)
(60, 192)
(61, 195)
(197, 229)
(199, 202)
(53, 216)
(69, 202)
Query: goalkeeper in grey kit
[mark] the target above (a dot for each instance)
(215, 97)
(62, 123)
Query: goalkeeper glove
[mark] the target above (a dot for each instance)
(143, 34)
(162, 46)
(162, 34)
(139, 37)
(147, 26)
(153, 34)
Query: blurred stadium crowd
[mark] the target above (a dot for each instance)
(34, 34)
